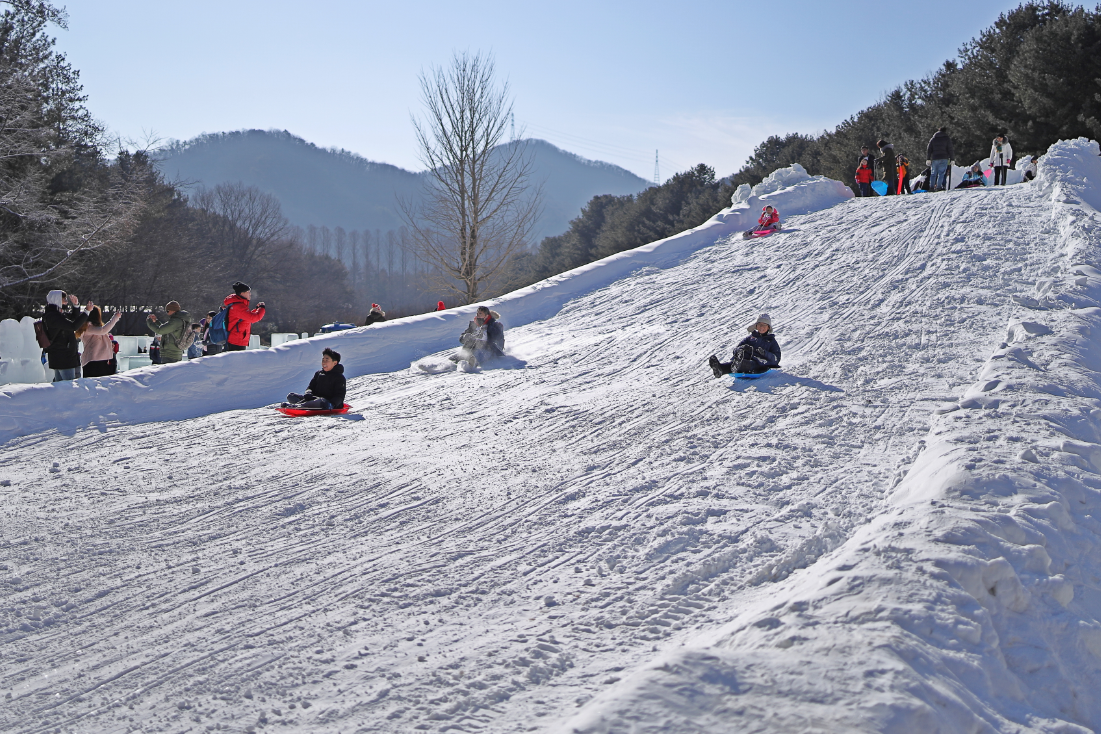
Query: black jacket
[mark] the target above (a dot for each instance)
(888, 163)
(768, 346)
(373, 318)
(940, 147)
(330, 385)
(495, 337)
(61, 331)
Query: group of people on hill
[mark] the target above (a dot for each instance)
(895, 167)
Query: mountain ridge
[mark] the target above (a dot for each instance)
(336, 187)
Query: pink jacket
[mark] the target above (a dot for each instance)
(97, 343)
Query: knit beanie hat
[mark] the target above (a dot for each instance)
(240, 288)
(762, 319)
(172, 306)
(53, 298)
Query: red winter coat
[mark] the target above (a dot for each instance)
(240, 319)
(865, 175)
(767, 219)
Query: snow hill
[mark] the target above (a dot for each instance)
(898, 533)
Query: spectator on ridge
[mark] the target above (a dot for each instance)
(196, 349)
(174, 332)
(939, 153)
(61, 322)
(209, 347)
(376, 315)
(887, 163)
(98, 357)
(240, 319)
(440, 306)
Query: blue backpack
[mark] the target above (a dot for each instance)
(218, 333)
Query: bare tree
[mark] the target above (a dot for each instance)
(249, 224)
(41, 232)
(479, 203)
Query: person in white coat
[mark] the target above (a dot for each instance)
(1001, 155)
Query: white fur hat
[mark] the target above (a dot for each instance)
(763, 318)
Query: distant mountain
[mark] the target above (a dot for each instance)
(336, 188)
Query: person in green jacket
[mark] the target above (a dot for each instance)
(173, 332)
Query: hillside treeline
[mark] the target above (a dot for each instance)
(81, 213)
(1035, 75)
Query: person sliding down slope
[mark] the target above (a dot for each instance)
(769, 221)
(483, 340)
(759, 352)
(327, 388)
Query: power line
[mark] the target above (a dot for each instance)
(657, 179)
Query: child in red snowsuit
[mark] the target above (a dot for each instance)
(769, 219)
(864, 178)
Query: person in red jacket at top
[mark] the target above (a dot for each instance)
(240, 318)
(864, 178)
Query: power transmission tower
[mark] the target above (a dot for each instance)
(513, 115)
(656, 181)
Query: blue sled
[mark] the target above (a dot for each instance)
(880, 187)
(750, 375)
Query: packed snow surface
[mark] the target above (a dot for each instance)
(896, 532)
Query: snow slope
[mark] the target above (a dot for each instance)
(233, 380)
(895, 533)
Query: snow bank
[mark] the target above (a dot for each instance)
(791, 190)
(973, 604)
(250, 379)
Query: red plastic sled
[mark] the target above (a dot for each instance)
(299, 412)
(752, 234)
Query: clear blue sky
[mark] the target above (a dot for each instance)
(702, 81)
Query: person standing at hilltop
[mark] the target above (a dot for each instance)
(240, 318)
(887, 163)
(863, 179)
(866, 157)
(939, 152)
(903, 171)
(1001, 154)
